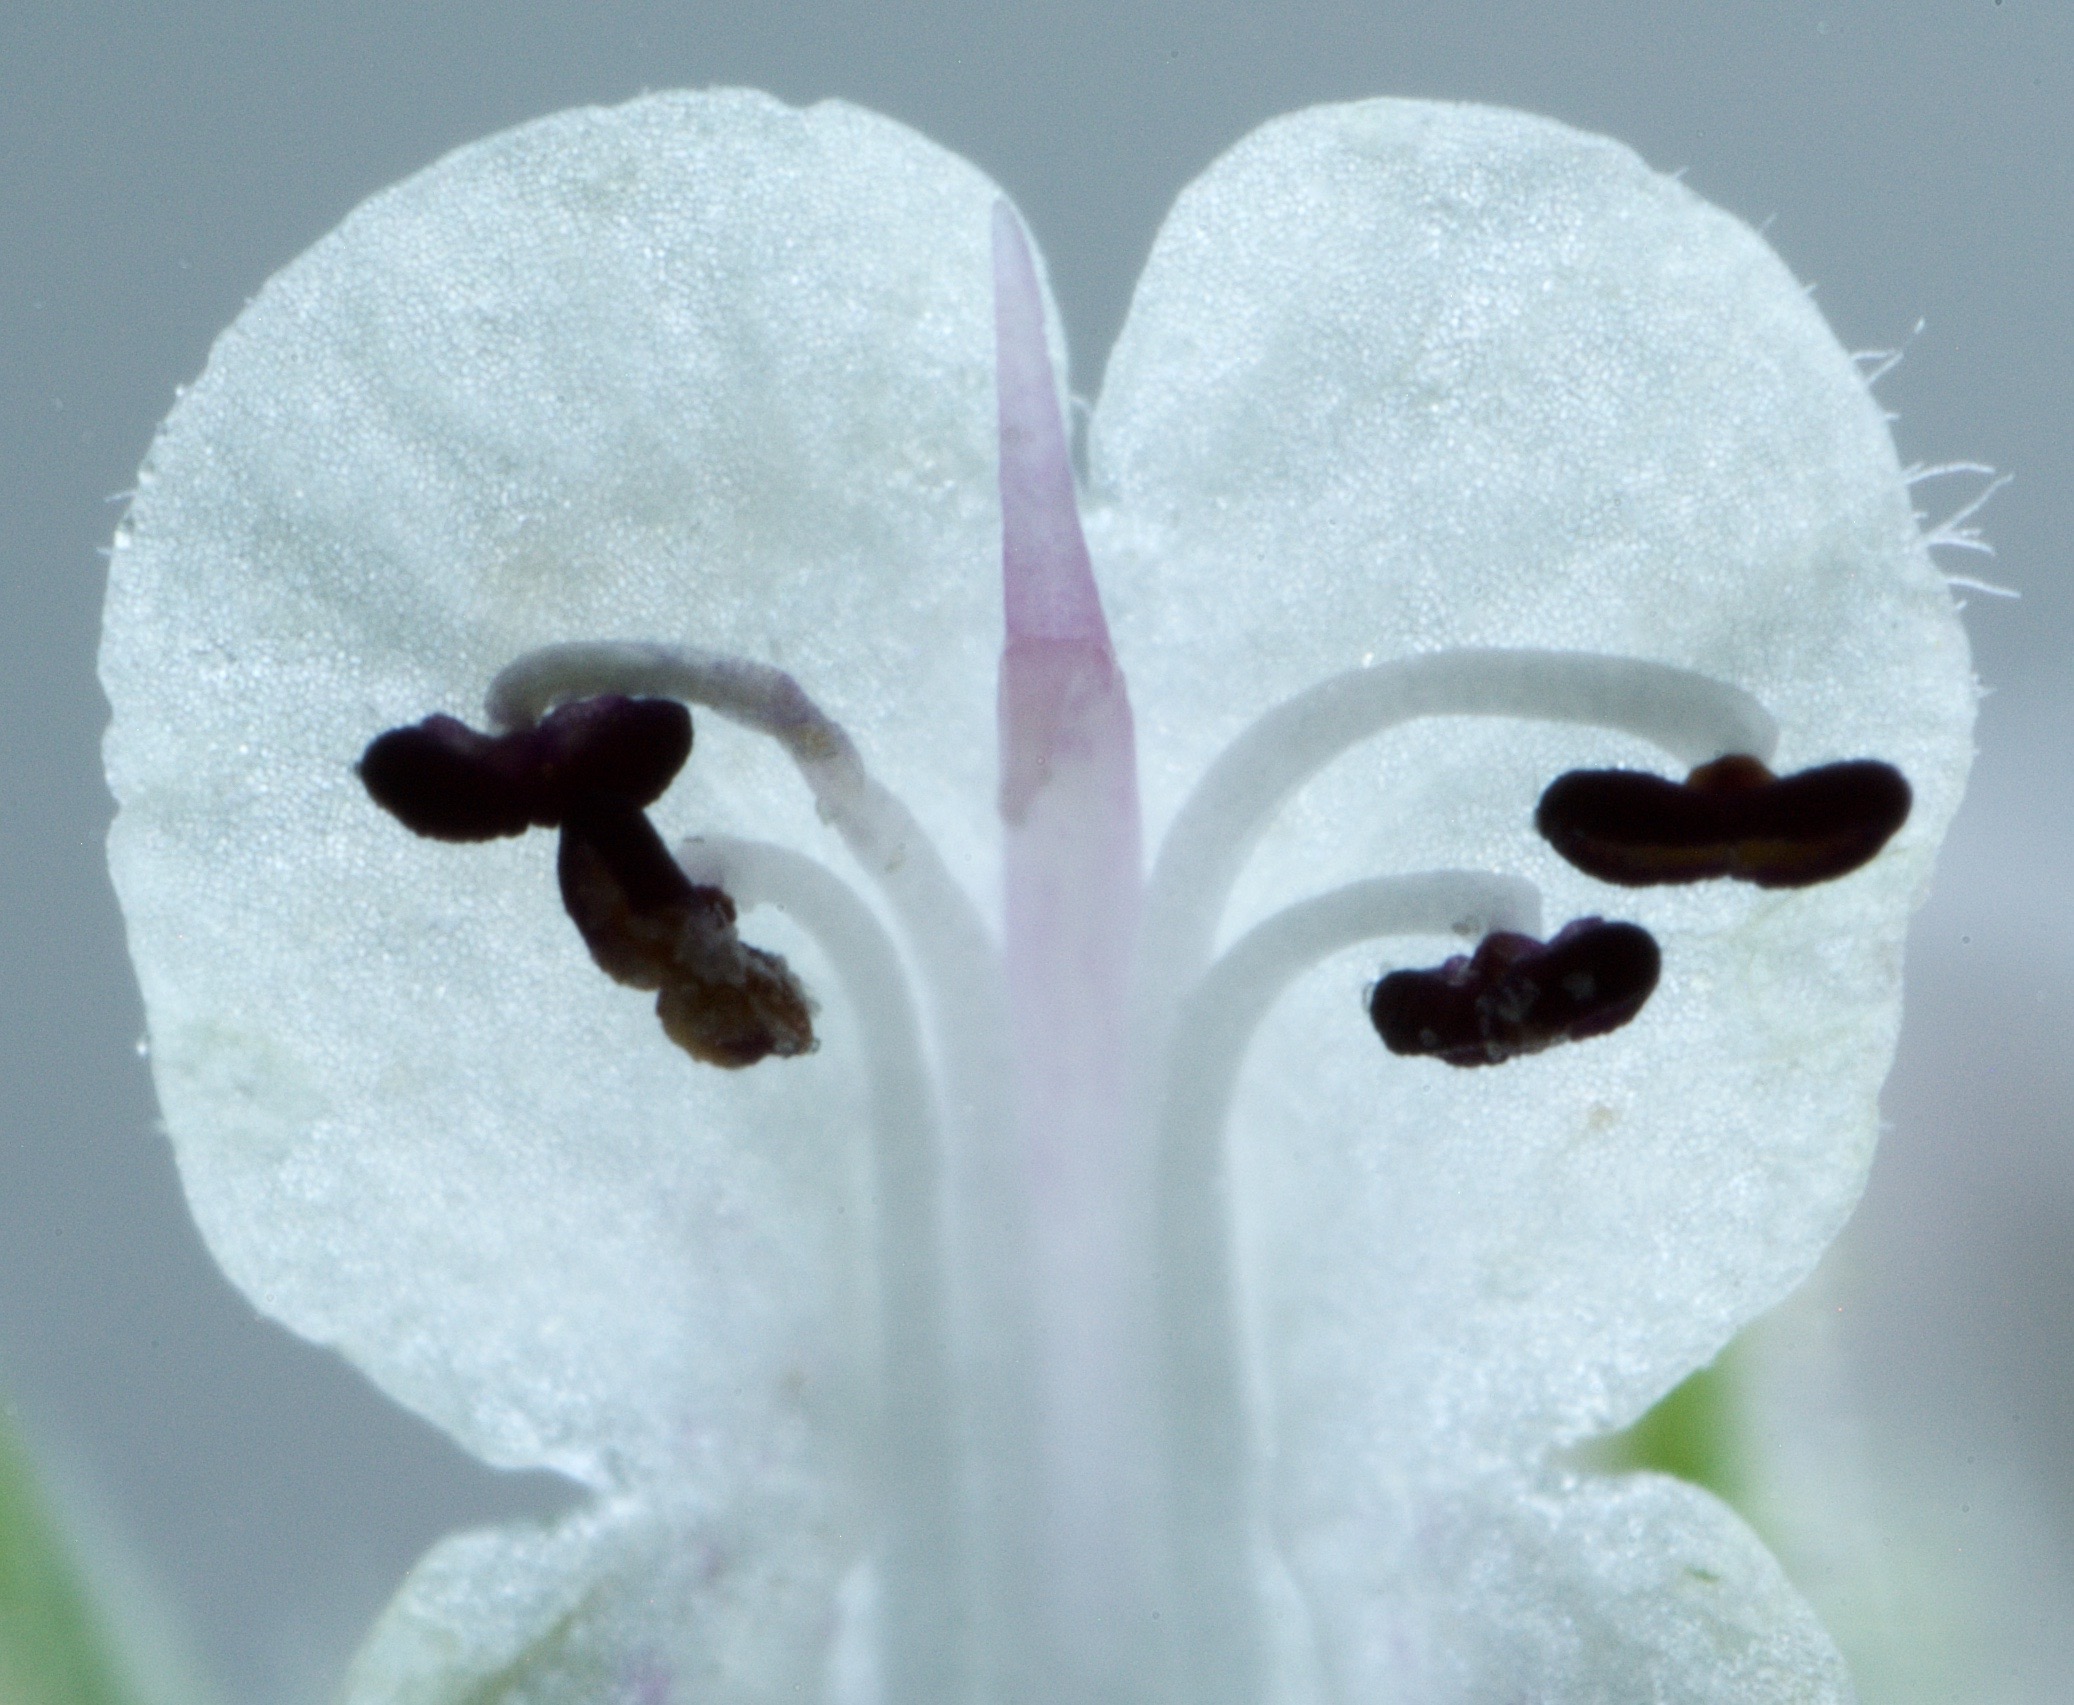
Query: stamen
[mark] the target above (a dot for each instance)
(1729, 818)
(1688, 715)
(880, 831)
(922, 1638)
(590, 769)
(1516, 995)
(1216, 1526)
(922, 1616)
(960, 965)
(721, 1001)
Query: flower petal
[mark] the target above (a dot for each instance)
(1643, 1588)
(615, 1605)
(1400, 377)
(700, 368)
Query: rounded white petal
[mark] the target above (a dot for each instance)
(631, 1600)
(1642, 1588)
(1400, 377)
(701, 368)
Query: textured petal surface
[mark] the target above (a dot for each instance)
(1643, 1588)
(637, 1601)
(1403, 376)
(701, 368)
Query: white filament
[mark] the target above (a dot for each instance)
(1215, 1524)
(919, 1612)
(876, 827)
(1693, 717)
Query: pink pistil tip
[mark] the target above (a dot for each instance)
(1048, 587)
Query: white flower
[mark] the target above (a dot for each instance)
(979, 1354)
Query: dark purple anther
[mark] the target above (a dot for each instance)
(442, 779)
(1515, 995)
(1732, 817)
(591, 768)
(649, 926)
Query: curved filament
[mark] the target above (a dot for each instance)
(1216, 1526)
(1691, 716)
(922, 1620)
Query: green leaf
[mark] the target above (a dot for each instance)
(61, 1641)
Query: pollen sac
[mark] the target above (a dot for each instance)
(444, 780)
(1515, 995)
(650, 927)
(1732, 817)
(590, 769)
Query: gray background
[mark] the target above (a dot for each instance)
(158, 162)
